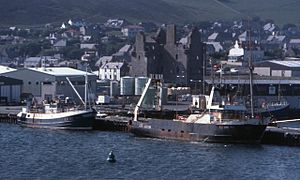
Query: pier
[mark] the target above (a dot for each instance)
(8, 118)
(8, 114)
(281, 136)
(112, 123)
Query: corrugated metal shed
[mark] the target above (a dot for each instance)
(10, 81)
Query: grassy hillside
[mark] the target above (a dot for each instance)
(161, 11)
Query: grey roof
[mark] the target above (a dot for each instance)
(150, 39)
(213, 36)
(112, 65)
(33, 59)
(269, 27)
(88, 46)
(69, 62)
(243, 36)
(61, 71)
(125, 48)
(292, 64)
(276, 38)
(103, 60)
(61, 43)
(218, 47)
(183, 40)
(295, 41)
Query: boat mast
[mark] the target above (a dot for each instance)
(85, 88)
(75, 90)
(279, 91)
(251, 73)
(138, 105)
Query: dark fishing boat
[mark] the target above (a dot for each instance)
(275, 109)
(225, 123)
(59, 117)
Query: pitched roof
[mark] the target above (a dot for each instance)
(213, 36)
(5, 69)
(112, 65)
(183, 40)
(276, 38)
(292, 64)
(125, 48)
(103, 60)
(218, 47)
(269, 27)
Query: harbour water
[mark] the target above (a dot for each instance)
(27, 153)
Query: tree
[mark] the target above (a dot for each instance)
(72, 52)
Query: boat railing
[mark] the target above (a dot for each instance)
(277, 103)
(51, 110)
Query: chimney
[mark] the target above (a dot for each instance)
(171, 34)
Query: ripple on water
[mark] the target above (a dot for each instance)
(47, 154)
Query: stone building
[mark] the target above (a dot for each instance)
(180, 62)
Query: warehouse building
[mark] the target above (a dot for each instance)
(51, 83)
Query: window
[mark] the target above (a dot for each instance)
(37, 83)
(272, 89)
(49, 83)
(29, 82)
(177, 69)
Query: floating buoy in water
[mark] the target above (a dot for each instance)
(111, 157)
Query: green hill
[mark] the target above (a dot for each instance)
(161, 11)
